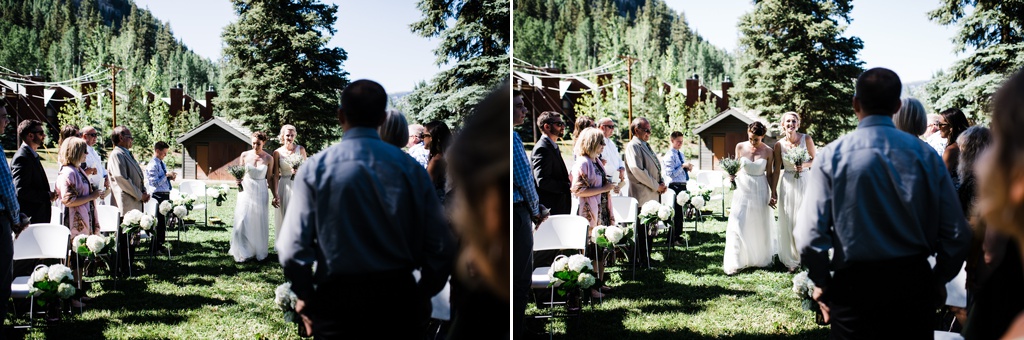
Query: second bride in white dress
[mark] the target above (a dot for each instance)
(748, 236)
(251, 233)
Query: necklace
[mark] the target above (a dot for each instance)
(791, 141)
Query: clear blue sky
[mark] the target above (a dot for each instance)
(896, 33)
(374, 33)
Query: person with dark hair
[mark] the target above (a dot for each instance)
(677, 171)
(645, 181)
(436, 140)
(67, 131)
(748, 239)
(34, 195)
(251, 233)
(549, 167)
(882, 200)
(526, 212)
(127, 184)
(582, 122)
(952, 123)
(356, 193)
(12, 220)
(160, 180)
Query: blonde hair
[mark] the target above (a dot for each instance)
(285, 128)
(790, 113)
(590, 140)
(71, 150)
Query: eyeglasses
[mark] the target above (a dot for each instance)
(558, 123)
(942, 125)
(425, 135)
(645, 130)
(40, 132)
(129, 137)
(608, 126)
(92, 134)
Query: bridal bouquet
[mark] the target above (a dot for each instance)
(238, 172)
(218, 193)
(135, 220)
(609, 236)
(294, 161)
(90, 245)
(49, 283)
(285, 299)
(797, 156)
(731, 166)
(574, 272)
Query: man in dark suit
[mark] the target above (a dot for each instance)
(30, 181)
(549, 167)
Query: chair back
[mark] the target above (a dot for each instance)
(149, 208)
(192, 187)
(624, 209)
(108, 218)
(561, 232)
(668, 198)
(42, 241)
(711, 179)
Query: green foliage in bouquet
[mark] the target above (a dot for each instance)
(574, 272)
(731, 166)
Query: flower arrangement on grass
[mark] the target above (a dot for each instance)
(237, 171)
(573, 272)
(135, 221)
(731, 166)
(50, 283)
(90, 245)
(797, 156)
(218, 193)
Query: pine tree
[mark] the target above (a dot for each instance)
(279, 71)
(795, 58)
(992, 29)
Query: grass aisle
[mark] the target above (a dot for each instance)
(688, 296)
(201, 293)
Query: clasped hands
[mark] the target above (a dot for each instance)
(772, 202)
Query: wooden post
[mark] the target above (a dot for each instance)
(113, 95)
(629, 89)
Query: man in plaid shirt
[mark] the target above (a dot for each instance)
(526, 211)
(10, 218)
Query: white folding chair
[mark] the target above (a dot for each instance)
(198, 188)
(38, 242)
(624, 211)
(109, 219)
(713, 180)
(558, 232)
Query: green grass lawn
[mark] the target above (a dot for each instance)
(201, 293)
(688, 296)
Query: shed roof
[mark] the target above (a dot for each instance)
(731, 112)
(235, 128)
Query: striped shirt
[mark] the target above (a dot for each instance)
(523, 184)
(8, 198)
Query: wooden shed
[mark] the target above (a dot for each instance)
(212, 147)
(719, 136)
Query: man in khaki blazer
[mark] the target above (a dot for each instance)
(127, 184)
(644, 173)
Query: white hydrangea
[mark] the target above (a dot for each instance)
(165, 207)
(650, 208)
(597, 232)
(613, 234)
(193, 197)
(551, 276)
(59, 272)
(560, 264)
(578, 262)
(697, 201)
(77, 242)
(147, 222)
(175, 195)
(132, 217)
(96, 243)
(694, 189)
(284, 297)
(682, 198)
(225, 188)
(665, 213)
(65, 290)
(586, 280)
(212, 192)
(180, 211)
(39, 275)
(799, 283)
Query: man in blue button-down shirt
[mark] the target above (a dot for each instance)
(10, 218)
(158, 178)
(883, 200)
(525, 208)
(677, 173)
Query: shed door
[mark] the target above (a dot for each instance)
(717, 150)
(731, 139)
(202, 160)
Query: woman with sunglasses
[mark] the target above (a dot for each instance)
(748, 239)
(952, 123)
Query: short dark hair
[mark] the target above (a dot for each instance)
(115, 136)
(675, 134)
(440, 137)
(957, 121)
(363, 103)
(547, 117)
(27, 126)
(260, 135)
(757, 128)
(160, 146)
(878, 91)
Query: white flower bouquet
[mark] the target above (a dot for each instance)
(135, 220)
(237, 171)
(649, 212)
(49, 283)
(90, 245)
(803, 286)
(797, 156)
(165, 207)
(610, 236)
(574, 272)
(665, 213)
(285, 299)
(218, 193)
(732, 167)
(294, 161)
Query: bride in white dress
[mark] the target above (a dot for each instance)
(748, 237)
(250, 235)
(790, 188)
(284, 182)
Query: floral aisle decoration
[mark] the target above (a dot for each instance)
(91, 245)
(135, 221)
(731, 166)
(285, 299)
(218, 193)
(237, 171)
(610, 236)
(294, 161)
(51, 284)
(797, 156)
(575, 272)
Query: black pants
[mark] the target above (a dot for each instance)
(677, 220)
(6, 263)
(38, 212)
(522, 241)
(160, 234)
(387, 303)
(891, 299)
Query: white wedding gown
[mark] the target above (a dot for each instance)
(748, 236)
(284, 193)
(251, 232)
(791, 193)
